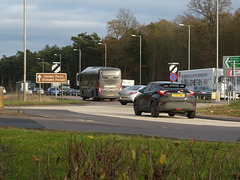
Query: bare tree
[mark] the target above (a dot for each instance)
(121, 26)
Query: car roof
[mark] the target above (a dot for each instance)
(166, 82)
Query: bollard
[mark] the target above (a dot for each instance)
(1, 98)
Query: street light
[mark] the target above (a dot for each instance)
(105, 52)
(25, 54)
(80, 60)
(189, 44)
(140, 58)
(217, 53)
(40, 83)
(43, 63)
(60, 57)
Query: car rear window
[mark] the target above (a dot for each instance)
(173, 85)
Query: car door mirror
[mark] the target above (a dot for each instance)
(142, 90)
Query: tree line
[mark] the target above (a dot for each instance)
(162, 42)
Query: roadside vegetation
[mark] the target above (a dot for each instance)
(41, 154)
(228, 110)
(14, 99)
(35, 154)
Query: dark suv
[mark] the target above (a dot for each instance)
(166, 97)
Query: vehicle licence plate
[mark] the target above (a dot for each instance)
(123, 98)
(178, 95)
(111, 95)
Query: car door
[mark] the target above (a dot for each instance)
(145, 97)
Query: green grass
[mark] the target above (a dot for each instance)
(101, 155)
(24, 153)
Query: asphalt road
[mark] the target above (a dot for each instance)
(111, 117)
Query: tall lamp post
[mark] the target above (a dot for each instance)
(140, 58)
(105, 52)
(189, 44)
(25, 53)
(80, 60)
(43, 63)
(217, 52)
(60, 59)
(40, 83)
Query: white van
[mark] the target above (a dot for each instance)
(4, 90)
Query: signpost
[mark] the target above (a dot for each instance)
(228, 62)
(173, 68)
(56, 67)
(237, 73)
(173, 77)
(51, 78)
(231, 70)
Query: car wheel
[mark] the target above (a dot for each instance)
(171, 114)
(123, 103)
(153, 109)
(136, 108)
(191, 115)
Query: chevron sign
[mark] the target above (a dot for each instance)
(56, 67)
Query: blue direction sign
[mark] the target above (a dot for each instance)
(173, 77)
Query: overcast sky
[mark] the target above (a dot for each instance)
(51, 22)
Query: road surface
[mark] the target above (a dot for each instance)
(112, 117)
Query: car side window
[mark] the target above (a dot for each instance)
(148, 88)
(153, 87)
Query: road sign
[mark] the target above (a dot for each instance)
(228, 64)
(237, 73)
(56, 67)
(173, 68)
(173, 77)
(228, 61)
(51, 77)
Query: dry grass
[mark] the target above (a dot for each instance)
(15, 99)
(32, 97)
(232, 110)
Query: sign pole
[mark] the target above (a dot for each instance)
(233, 82)
(56, 92)
(62, 92)
(39, 92)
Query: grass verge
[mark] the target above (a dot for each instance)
(231, 110)
(15, 99)
(35, 154)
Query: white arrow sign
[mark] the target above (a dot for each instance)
(39, 77)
